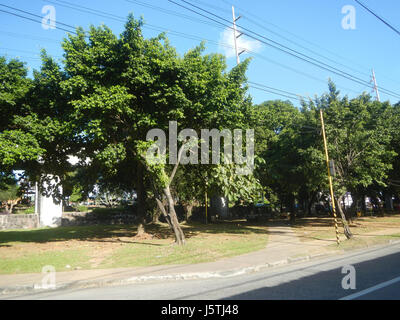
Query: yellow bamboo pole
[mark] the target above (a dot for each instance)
(330, 178)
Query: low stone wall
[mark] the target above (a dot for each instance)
(18, 221)
(30, 221)
(90, 218)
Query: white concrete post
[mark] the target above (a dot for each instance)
(49, 210)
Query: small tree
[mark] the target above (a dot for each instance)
(109, 197)
(10, 196)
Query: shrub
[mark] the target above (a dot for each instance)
(82, 208)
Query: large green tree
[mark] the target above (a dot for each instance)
(358, 141)
(120, 88)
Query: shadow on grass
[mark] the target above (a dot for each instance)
(324, 227)
(231, 226)
(315, 222)
(114, 233)
(106, 233)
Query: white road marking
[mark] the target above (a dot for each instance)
(374, 288)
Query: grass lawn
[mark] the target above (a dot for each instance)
(364, 241)
(89, 247)
(29, 210)
(366, 230)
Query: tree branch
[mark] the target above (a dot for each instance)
(177, 163)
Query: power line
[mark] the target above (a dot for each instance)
(85, 9)
(293, 52)
(193, 37)
(295, 70)
(304, 47)
(263, 21)
(17, 57)
(212, 6)
(28, 36)
(202, 21)
(256, 85)
(181, 34)
(123, 19)
(257, 34)
(98, 12)
(296, 96)
(33, 20)
(187, 36)
(170, 12)
(381, 19)
(264, 88)
(296, 53)
(38, 16)
(273, 92)
(17, 15)
(115, 17)
(23, 51)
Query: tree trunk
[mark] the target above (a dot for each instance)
(310, 203)
(179, 235)
(363, 205)
(388, 201)
(141, 199)
(155, 217)
(292, 217)
(9, 208)
(188, 211)
(164, 212)
(346, 227)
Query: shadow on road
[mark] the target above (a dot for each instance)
(326, 284)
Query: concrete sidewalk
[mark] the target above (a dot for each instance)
(283, 247)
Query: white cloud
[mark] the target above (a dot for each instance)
(227, 44)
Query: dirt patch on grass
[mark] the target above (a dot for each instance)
(101, 253)
(367, 227)
(88, 247)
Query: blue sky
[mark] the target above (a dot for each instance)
(302, 25)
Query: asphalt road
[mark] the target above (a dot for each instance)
(377, 276)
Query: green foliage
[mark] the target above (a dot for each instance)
(10, 192)
(113, 89)
(81, 208)
(16, 146)
(225, 180)
(121, 87)
(77, 194)
(358, 139)
(360, 135)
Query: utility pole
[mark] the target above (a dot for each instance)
(328, 164)
(375, 86)
(236, 35)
